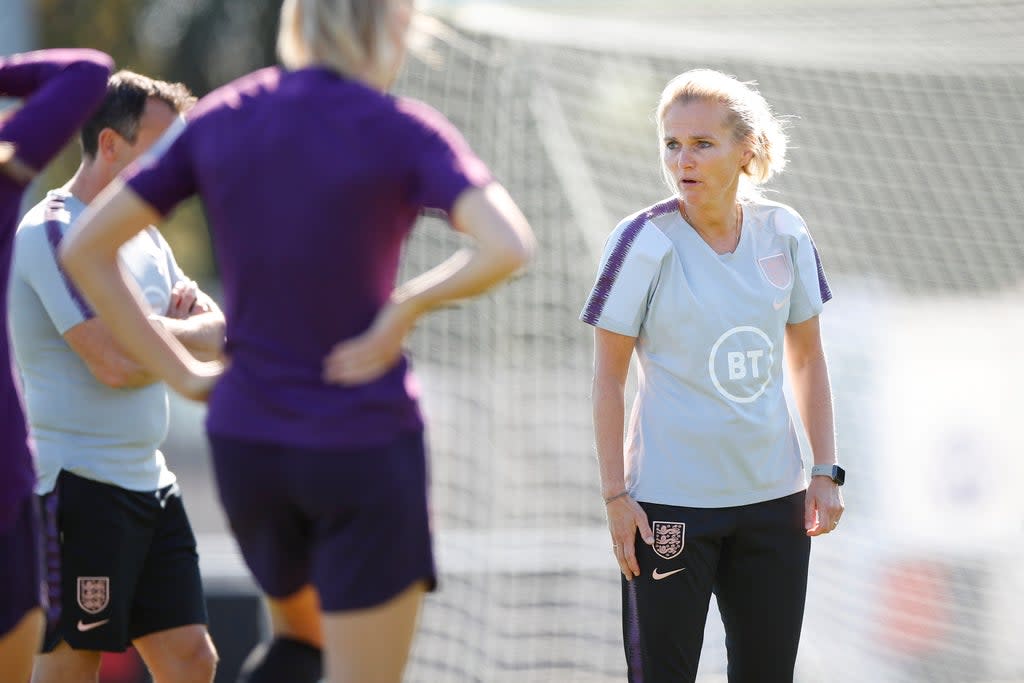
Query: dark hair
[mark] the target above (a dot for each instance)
(124, 104)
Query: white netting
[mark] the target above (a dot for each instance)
(906, 158)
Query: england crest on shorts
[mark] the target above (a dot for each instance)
(668, 538)
(777, 270)
(93, 593)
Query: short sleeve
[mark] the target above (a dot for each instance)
(35, 262)
(810, 287)
(177, 274)
(165, 175)
(627, 277)
(445, 165)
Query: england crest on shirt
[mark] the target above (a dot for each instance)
(776, 270)
(669, 539)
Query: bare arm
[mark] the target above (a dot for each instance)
(808, 375)
(612, 354)
(101, 353)
(195, 320)
(13, 167)
(89, 254)
(503, 243)
(202, 334)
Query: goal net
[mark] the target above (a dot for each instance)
(906, 162)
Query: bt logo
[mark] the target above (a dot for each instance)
(741, 362)
(738, 362)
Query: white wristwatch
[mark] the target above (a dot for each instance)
(833, 472)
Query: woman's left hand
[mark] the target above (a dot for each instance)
(823, 506)
(366, 357)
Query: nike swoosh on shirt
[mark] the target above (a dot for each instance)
(88, 627)
(658, 576)
(777, 305)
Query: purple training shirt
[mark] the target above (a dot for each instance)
(310, 182)
(61, 89)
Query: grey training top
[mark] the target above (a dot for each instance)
(710, 426)
(78, 423)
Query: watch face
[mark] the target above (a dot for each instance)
(838, 475)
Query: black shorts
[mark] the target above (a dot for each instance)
(120, 564)
(754, 559)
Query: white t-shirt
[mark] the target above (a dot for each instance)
(710, 426)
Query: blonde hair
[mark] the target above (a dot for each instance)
(749, 115)
(346, 35)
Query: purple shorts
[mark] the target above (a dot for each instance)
(21, 566)
(353, 523)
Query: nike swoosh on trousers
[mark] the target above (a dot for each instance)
(658, 576)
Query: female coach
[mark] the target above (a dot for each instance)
(311, 178)
(709, 287)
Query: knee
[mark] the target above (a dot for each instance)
(195, 662)
(203, 660)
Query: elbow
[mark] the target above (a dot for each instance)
(96, 66)
(811, 360)
(111, 377)
(520, 249)
(527, 248)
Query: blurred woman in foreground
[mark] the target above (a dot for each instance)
(312, 176)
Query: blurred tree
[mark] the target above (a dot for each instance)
(71, 23)
(202, 43)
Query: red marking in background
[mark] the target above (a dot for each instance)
(915, 607)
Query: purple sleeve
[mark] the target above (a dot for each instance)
(445, 164)
(61, 89)
(165, 180)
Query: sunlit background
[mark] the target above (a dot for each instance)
(906, 162)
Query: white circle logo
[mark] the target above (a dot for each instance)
(742, 360)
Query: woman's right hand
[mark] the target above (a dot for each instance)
(625, 518)
(369, 355)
